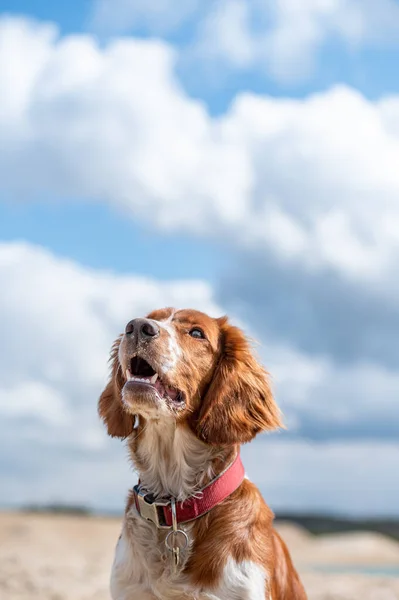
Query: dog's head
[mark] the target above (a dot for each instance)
(193, 368)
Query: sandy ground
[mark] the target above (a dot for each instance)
(50, 557)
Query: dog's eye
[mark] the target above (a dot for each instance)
(197, 333)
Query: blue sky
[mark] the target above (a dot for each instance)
(74, 230)
(371, 70)
(238, 158)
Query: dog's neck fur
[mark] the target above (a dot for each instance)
(172, 461)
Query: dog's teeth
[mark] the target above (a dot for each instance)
(131, 377)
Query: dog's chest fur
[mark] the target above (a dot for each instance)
(170, 461)
(143, 563)
(142, 570)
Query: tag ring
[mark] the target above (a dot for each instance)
(174, 534)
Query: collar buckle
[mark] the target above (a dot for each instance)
(151, 510)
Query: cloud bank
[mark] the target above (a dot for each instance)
(60, 320)
(282, 39)
(304, 190)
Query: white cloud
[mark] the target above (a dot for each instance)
(225, 35)
(291, 44)
(308, 186)
(283, 38)
(340, 477)
(33, 399)
(157, 16)
(313, 182)
(325, 400)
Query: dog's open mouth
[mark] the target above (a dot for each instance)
(141, 372)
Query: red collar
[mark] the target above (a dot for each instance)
(160, 512)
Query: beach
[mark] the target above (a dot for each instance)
(63, 557)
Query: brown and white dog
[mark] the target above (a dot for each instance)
(186, 391)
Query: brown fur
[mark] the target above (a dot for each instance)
(239, 403)
(240, 527)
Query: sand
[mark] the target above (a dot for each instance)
(50, 557)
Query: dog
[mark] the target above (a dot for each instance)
(186, 391)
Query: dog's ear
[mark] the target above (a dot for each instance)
(239, 402)
(119, 423)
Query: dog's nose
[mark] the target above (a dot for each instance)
(142, 328)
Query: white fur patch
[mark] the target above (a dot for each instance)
(175, 459)
(174, 349)
(242, 581)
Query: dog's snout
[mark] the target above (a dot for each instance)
(142, 328)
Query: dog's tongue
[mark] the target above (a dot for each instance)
(165, 390)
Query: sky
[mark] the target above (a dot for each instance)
(238, 157)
